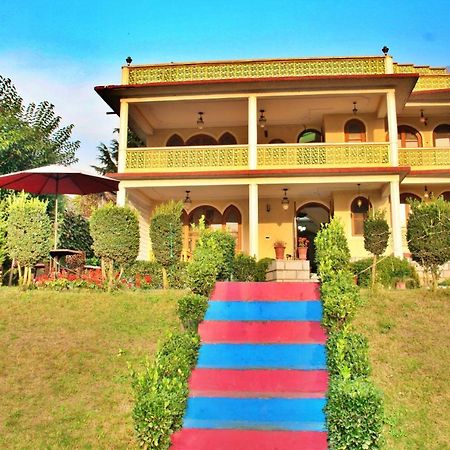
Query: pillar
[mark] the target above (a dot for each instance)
(252, 132)
(123, 137)
(121, 196)
(392, 127)
(253, 238)
(395, 219)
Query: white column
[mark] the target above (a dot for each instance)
(253, 220)
(121, 196)
(392, 127)
(252, 132)
(388, 64)
(396, 227)
(123, 137)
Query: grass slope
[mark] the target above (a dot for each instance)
(63, 368)
(409, 338)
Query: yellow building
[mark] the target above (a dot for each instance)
(270, 149)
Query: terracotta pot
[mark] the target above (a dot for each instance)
(301, 252)
(279, 252)
(400, 285)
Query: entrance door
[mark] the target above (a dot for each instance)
(308, 220)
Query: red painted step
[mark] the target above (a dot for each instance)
(258, 383)
(203, 439)
(272, 332)
(267, 291)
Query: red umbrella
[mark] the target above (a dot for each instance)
(56, 179)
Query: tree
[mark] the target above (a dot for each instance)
(31, 136)
(74, 233)
(29, 232)
(376, 236)
(428, 235)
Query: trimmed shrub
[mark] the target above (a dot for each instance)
(74, 233)
(177, 275)
(204, 269)
(225, 243)
(347, 354)
(354, 414)
(261, 268)
(142, 268)
(191, 310)
(161, 391)
(244, 268)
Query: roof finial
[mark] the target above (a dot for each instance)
(385, 50)
(129, 60)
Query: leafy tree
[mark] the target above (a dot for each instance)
(28, 233)
(74, 233)
(428, 235)
(115, 231)
(376, 236)
(31, 136)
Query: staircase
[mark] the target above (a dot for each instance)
(260, 379)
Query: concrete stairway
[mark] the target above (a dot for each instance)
(260, 380)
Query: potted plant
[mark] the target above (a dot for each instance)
(279, 247)
(302, 247)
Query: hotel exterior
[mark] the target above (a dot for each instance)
(271, 149)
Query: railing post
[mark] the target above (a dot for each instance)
(252, 132)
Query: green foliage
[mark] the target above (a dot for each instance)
(166, 233)
(428, 234)
(261, 268)
(177, 275)
(376, 232)
(389, 270)
(354, 414)
(3, 228)
(142, 268)
(332, 252)
(161, 391)
(31, 136)
(204, 269)
(191, 310)
(29, 233)
(244, 268)
(75, 234)
(225, 243)
(347, 354)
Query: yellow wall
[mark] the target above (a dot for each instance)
(334, 127)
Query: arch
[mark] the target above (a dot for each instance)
(277, 141)
(309, 135)
(355, 131)
(441, 135)
(359, 209)
(175, 141)
(405, 196)
(405, 207)
(445, 195)
(409, 137)
(227, 139)
(232, 222)
(201, 139)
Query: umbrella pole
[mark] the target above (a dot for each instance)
(55, 224)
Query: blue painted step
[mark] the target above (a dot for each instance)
(269, 414)
(262, 356)
(246, 311)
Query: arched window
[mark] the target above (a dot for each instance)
(232, 222)
(227, 139)
(213, 219)
(446, 196)
(309, 135)
(405, 207)
(175, 141)
(359, 208)
(441, 135)
(277, 141)
(409, 137)
(355, 131)
(201, 139)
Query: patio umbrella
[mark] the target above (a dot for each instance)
(56, 179)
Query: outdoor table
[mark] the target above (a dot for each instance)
(57, 253)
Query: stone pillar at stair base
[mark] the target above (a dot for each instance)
(288, 270)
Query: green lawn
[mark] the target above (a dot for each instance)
(409, 338)
(63, 368)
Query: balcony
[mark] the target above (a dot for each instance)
(269, 156)
(425, 158)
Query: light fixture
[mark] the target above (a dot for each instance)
(423, 119)
(355, 109)
(262, 119)
(187, 201)
(200, 121)
(359, 201)
(285, 200)
(426, 194)
(268, 207)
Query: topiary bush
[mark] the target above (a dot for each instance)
(244, 268)
(142, 268)
(191, 310)
(354, 414)
(74, 233)
(177, 275)
(204, 269)
(261, 268)
(223, 242)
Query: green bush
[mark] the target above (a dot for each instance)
(261, 268)
(225, 243)
(177, 275)
(74, 233)
(3, 227)
(244, 268)
(191, 310)
(161, 391)
(354, 414)
(204, 269)
(347, 354)
(141, 268)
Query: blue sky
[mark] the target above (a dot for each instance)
(58, 51)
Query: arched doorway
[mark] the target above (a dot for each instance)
(308, 220)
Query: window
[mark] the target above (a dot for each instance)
(277, 141)
(201, 139)
(405, 207)
(446, 196)
(359, 209)
(309, 135)
(227, 139)
(441, 135)
(232, 223)
(175, 141)
(409, 137)
(355, 131)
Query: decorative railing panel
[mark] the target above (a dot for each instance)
(423, 158)
(255, 69)
(323, 155)
(422, 70)
(179, 159)
(432, 82)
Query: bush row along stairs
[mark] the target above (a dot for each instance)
(261, 378)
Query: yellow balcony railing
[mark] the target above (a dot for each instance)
(323, 155)
(425, 158)
(179, 159)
